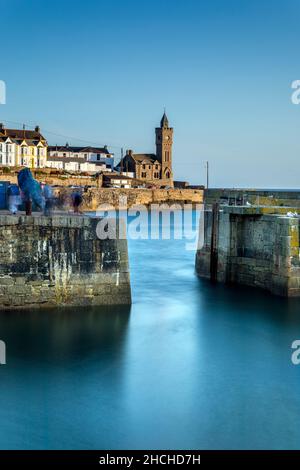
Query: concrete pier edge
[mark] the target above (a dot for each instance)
(60, 261)
(255, 246)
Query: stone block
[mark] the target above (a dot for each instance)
(57, 261)
(263, 249)
(6, 281)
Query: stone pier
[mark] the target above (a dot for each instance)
(254, 246)
(60, 261)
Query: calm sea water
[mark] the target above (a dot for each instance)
(189, 365)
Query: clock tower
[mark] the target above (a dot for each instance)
(164, 142)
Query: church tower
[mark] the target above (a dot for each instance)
(164, 142)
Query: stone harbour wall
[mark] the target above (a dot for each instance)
(93, 198)
(253, 248)
(96, 195)
(60, 261)
(63, 180)
(257, 197)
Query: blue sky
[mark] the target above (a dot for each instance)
(103, 72)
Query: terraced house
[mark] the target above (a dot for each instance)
(22, 147)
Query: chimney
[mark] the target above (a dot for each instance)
(37, 129)
(129, 152)
(2, 127)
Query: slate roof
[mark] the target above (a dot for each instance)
(66, 159)
(73, 160)
(164, 121)
(144, 157)
(21, 134)
(68, 148)
(118, 177)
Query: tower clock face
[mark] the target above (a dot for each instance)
(167, 137)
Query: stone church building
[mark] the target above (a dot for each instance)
(156, 168)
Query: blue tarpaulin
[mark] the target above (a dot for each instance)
(30, 188)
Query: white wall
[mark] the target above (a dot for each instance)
(90, 159)
(74, 166)
(102, 158)
(7, 154)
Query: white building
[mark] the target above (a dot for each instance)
(7, 152)
(117, 181)
(22, 147)
(90, 159)
(75, 164)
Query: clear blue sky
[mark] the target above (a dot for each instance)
(103, 71)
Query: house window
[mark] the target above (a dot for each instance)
(144, 174)
(64, 154)
(156, 167)
(149, 167)
(167, 156)
(98, 156)
(144, 167)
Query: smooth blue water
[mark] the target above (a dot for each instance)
(190, 365)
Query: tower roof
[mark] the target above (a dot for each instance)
(164, 121)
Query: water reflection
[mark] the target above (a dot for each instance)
(60, 336)
(64, 372)
(190, 365)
